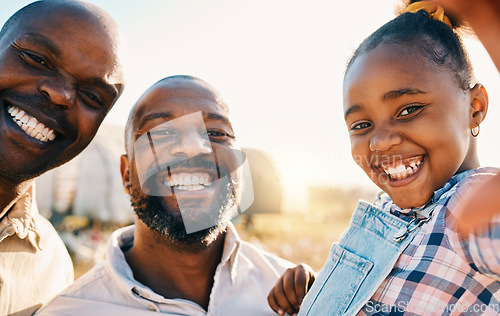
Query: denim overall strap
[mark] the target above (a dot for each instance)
(360, 261)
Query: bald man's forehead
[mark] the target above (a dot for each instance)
(189, 92)
(165, 101)
(43, 12)
(85, 27)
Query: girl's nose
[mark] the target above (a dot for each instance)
(383, 139)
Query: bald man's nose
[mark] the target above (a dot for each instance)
(59, 91)
(191, 144)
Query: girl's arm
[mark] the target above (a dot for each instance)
(480, 205)
(473, 224)
(484, 18)
(290, 290)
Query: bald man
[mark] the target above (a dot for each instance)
(184, 175)
(59, 76)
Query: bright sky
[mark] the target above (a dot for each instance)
(279, 64)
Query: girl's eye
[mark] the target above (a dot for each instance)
(410, 110)
(219, 135)
(361, 126)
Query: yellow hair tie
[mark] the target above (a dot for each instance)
(435, 11)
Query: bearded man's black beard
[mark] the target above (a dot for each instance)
(169, 225)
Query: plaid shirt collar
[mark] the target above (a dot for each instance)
(439, 197)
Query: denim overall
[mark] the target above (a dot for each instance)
(362, 258)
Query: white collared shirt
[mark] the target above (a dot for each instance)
(242, 282)
(34, 263)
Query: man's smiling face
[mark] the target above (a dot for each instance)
(59, 76)
(181, 154)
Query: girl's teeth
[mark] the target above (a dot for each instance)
(401, 171)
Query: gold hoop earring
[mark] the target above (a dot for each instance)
(475, 131)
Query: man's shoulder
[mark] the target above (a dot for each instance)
(90, 283)
(86, 290)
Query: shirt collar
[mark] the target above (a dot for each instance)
(123, 275)
(21, 219)
(232, 244)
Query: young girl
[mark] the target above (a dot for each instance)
(413, 110)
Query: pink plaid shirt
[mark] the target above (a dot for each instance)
(440, 273)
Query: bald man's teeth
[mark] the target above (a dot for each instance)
(30, 125)
(189, 181)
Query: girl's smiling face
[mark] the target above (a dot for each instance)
(409, 122)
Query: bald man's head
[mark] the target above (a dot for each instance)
(189, 91)
(183, 168)
(61, 70)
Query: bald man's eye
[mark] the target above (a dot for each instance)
(35, 59)
(219, 136)
(161, 134)
(91, 97)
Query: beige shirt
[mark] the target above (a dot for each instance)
(242, 282)
(34, 263)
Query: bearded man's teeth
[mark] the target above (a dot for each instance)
(189, 187)
(189, 181)
(30, 125)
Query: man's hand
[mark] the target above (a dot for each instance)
(289, 291)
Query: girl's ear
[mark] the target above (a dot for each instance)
(124, 164)
(479, 104)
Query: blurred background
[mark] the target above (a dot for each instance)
(279, 64)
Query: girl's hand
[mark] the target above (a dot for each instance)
(289, 291)
(481, 203)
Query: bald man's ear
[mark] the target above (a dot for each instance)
(124, 169)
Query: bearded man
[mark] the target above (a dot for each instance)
(183, 256)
